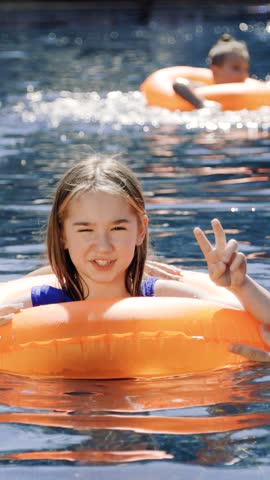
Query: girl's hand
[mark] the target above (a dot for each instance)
(162, 270)
(226, 266)
(251, 353)
(7, 312)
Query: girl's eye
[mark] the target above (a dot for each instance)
(85, 230)
(119, 228)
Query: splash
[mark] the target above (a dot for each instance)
(118, 110)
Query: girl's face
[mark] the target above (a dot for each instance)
(234, 69)
(100, 231)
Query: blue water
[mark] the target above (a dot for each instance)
(70, 87)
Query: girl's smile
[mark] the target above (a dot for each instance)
(103, 265)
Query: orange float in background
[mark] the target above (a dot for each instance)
(159, 92)
(132, 337)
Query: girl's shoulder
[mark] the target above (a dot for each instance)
(168, 288)
(148, 286)
(46, 295)
(179, 288)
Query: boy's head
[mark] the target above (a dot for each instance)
(229, 60)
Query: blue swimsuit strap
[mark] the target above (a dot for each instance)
(148, 287)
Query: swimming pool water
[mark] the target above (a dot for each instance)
(69, 88)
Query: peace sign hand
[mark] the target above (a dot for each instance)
(226, 266)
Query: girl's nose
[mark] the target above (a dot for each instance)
(103, 243)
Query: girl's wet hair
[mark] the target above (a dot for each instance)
(95, 174)
(225, 47)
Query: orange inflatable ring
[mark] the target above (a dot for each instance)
(132, 337)
(159, 92)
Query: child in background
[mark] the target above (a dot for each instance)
(97, 241)
(228, 60)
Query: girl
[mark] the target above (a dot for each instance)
(97, 239)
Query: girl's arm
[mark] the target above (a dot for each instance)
(7, 312)
(171, 288)
(16, 294)
(252, 353)
(13, 294)
(46, 270)
(227, 268)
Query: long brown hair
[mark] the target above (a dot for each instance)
(92, 175)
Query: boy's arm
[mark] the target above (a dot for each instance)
(182, 87)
